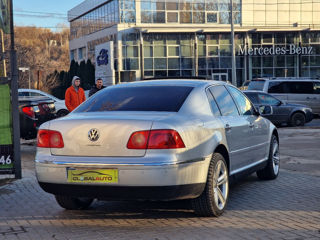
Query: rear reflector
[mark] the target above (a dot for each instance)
(155, 139)
(49, 139)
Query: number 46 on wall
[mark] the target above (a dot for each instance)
(4, 160)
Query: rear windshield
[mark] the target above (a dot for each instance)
(144, 98)
(256, 85)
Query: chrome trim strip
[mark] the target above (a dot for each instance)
(122, 164)
(248, 148)
(248, 166)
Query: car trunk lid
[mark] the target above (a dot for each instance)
(104, 135)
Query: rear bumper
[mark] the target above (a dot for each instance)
(125, 193)
(160, 181)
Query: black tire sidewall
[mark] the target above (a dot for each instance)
(210, 183)
(267, 173)
(293, 119)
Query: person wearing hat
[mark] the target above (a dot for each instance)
(97, 87)
(74, 95)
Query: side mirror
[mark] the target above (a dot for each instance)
(256, 111)
(265, 110)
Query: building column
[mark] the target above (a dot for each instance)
(141, 57)
(196, 73)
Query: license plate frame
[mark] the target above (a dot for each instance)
(92, 175)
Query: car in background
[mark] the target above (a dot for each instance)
(156, 140)
(245, 85)
(33, 111)
(59, 104)
(282, 113)
(305, 91)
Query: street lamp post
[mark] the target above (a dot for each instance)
(233, 51)
(23, 69)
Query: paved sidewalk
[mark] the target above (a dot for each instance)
(286, 208)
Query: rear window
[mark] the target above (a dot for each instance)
(144, 98)
(256, 85)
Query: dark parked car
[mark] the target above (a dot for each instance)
(33, 112)
(282, 113)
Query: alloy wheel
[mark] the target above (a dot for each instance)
(275, 156)
(221, 186)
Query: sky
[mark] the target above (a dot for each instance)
(42, 13)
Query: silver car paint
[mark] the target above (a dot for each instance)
(199, 129)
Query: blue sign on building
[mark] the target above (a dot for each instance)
(102, 58)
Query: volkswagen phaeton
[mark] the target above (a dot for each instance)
(156, 140)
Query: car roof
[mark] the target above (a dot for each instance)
(253, 91)
(289, 79)
(29, 90)
(171, 82)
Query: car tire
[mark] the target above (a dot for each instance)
(213, 200)
(62, 113)
(271, 171)
(297, 119)
(73, 203)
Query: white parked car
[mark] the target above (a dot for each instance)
(59, 104)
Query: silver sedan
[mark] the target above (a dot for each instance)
(156, 140)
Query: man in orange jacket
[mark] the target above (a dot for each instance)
(74, 94)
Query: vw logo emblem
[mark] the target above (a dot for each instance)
(93, 134)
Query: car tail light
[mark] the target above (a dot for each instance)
(155, 139)
(29, 111)
(49, 139)
(43, 108)
(138, 140)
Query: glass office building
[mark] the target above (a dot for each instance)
(158, 38)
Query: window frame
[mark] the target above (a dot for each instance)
(236, 102)
(236, 107)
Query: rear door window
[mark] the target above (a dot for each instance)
(244, 105)
(301, 87)
(267, 99)
(214, 107)
(23, 94)
(256, 85)
(224, 101)
(137, 98)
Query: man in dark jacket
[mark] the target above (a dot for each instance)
(97, 87)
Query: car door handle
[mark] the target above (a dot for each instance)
(228, 127)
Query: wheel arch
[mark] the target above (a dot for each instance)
(224, 152)
(275, 132)
(296, 111)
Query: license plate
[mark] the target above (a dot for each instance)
(93, 176)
